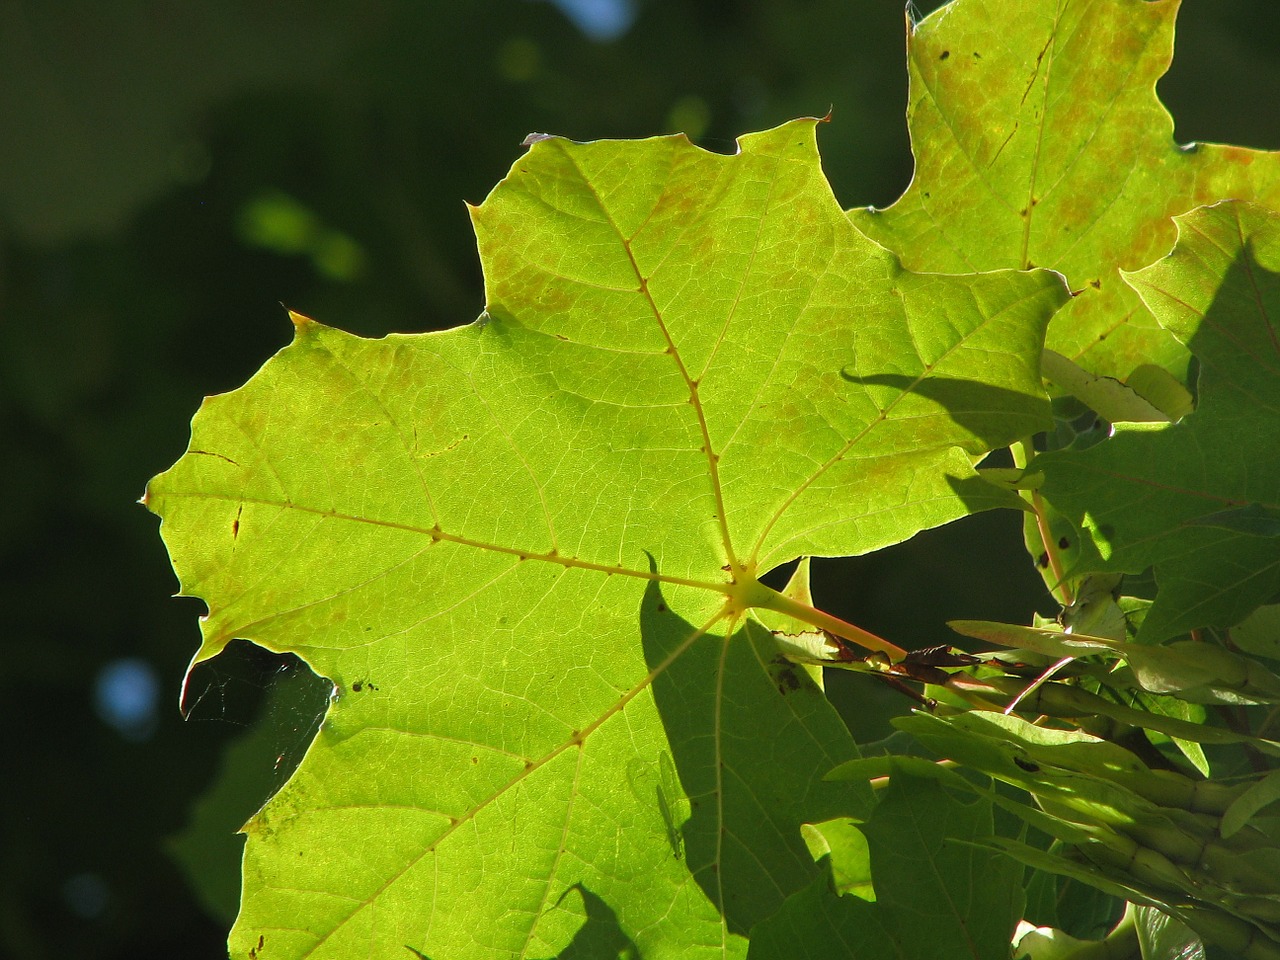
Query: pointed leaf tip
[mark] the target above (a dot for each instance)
(301, 322)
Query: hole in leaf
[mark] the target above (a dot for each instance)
(906, 593)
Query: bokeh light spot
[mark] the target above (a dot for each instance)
(691, 116)
(599, 20)
(86, 895)
(125, 696)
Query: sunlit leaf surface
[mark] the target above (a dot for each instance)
(1039, 140)
(523, 550)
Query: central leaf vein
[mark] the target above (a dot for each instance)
(674, 351)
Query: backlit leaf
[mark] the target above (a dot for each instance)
(525, 550)
(1168, 485)
(1041, 142)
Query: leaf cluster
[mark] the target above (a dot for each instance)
(568, 717)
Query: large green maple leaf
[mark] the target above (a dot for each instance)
(526, 550)
(1039, 140)
(1199, 499)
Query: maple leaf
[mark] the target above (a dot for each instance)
(1041, 142)
(526, 550)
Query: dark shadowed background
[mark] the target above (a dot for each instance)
(171, 173)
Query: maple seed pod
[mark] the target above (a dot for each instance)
(1261, 681)
(1228, 669)
(1122, 853)
(1169, 841)
(1054, 699)
(1175, 791)
(1228, 866)
(1259, 908)
(1231, 933)
(1206, 861)
(1210, 797)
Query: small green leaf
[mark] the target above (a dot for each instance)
(846, 845)
(1258, 797)
(1260, 632)
(867, 768)
(1182, 710)
(1094, 611)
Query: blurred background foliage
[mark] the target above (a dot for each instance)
(171, 173)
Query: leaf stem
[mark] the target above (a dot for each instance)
(772, 600)
(1022, 452)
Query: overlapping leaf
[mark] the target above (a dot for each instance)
(522, 550)
(938, 894)
(1038, 139)
(1193, 498)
